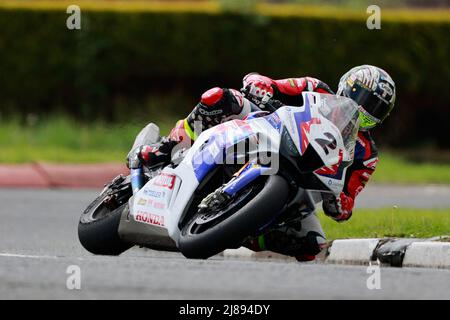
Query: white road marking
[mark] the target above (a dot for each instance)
(26, 256)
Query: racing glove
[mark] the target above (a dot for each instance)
(257, 88)
(338, 208)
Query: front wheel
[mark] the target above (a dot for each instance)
(209, 233)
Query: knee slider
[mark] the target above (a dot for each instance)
(314, 243)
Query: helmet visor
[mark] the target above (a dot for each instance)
(366, 121)
(375, 105)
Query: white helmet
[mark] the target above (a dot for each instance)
(372, 89)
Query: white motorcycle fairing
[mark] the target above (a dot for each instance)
(155, 210)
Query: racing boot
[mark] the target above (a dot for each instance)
(151, 155)
(216, 106)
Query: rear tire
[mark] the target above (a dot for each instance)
(99, 234)
(251, 214)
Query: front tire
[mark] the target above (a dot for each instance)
(254, 208)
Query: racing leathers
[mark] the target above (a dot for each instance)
(305, 239)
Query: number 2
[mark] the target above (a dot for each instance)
(329, 143)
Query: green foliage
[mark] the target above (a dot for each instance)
(120, 60)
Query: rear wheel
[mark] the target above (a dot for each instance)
(99, 223)
(208, 233)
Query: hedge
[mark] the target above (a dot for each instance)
(135, 61)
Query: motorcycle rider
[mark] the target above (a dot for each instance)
(369, 86)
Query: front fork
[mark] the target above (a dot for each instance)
(248, 173)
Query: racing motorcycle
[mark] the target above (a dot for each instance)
(239, 180)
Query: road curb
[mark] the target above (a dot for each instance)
(352, 251)
(22, 176)
(427, 253)
(45, 175)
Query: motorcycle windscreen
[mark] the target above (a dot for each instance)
(329, 124)
(343, 113)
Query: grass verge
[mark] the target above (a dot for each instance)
(393, 168)
(389, 222)
(61, 140)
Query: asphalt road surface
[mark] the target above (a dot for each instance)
(38, 243)
(428, 196)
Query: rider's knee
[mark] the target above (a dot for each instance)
(314, 243)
